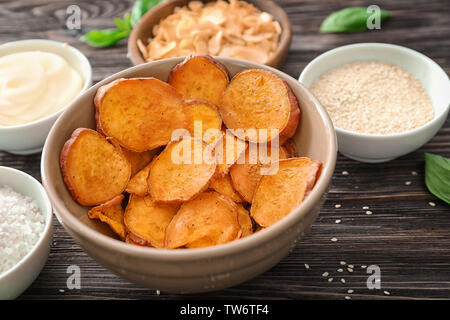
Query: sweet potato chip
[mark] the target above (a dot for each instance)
(147, 220)
(290, 147)
(111, 213)
(140, 113)
(138, 184)
(244, 221)
(181, 171)
(246, 174)
(200, 77)
(94, 170)
(133, 239)
(212, 132)
(258, 106)
(227, 151)
(138, 160)
(278, 194)
(224, 186)
(205, 120)
(208, 219)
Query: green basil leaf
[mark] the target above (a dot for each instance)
(123, 24)
(140, 8)
(350, 20)
(104, 38)
(437, 176)
(127, 20)
(109, 37)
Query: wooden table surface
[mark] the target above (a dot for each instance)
(406, 237)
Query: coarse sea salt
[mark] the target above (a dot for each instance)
(21, 224)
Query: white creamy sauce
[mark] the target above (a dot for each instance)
(34, 85)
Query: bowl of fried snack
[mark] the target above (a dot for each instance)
(190, 174)
(258, 31)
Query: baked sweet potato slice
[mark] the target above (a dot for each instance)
(278, 194)
(244, 221)
(181, 171)
(133, 239)
(146, 221)
(258, 106)
(290, 147)
(246, 174)
(94, 170)
(224, 186)
(111, 213)
(141, 113)
(206, 122)
(138, 160)
(207, 220)
(138, 184)
(228, 150)
(200, 77)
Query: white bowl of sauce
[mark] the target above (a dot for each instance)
(38, 80)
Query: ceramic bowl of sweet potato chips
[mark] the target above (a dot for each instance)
(190, 174)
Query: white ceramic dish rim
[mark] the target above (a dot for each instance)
(47, 226)
(65, 46)
(240, 245)
(387, 46)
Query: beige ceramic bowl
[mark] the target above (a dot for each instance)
(143, 29)
(190, 270)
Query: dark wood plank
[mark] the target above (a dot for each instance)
(405, 236)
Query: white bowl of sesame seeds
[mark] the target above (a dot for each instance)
(25, 231)
(385, 100)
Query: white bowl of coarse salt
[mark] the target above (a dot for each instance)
(25, 231)
(385, 100)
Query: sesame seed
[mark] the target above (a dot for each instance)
(337, 206)
(342, 280)
(334, 239)
(356, 103)
(306, 266)
(338, 221)
(325, 274)
(368, 212)
(330, 279)
(414, 173)
(387, 293)
(350, 291)
(431, 203)
(347, 297)
(351, 266)
(158, 292)
(343, 263)
(61, 290)
(349, 269)
(340, 270)
(407, 183)
(345, 173)
(365, 208)
(363, 266)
